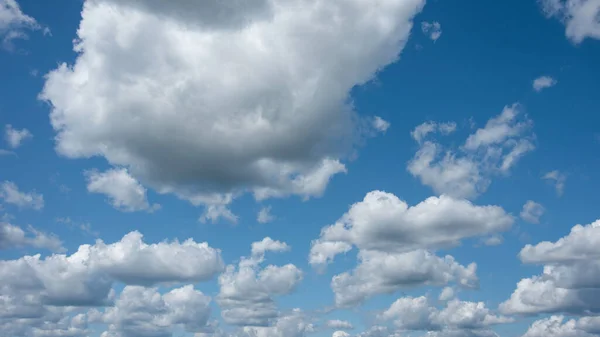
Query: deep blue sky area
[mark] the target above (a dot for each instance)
(291, 168)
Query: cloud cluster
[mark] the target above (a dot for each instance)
(466, 172)
(208, 100)
(37, 291)
(433, 30)
(396, 243)
(459, 317)
(581, 17)
(247, 291)
(570, 281)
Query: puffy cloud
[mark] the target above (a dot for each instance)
(293, 324)
(532, 211)
(410, 313)
(554, 327)
(466, 172)
(86, 276)
(581, 17)
(124, 192)
(394, 242)
(14, 23)
(570, 281)
(144, 312)
(385, 273)
(12, 236)
(423, 130)
(340, 334)
(246, 292)
(10, 194)
(381, 221)
(446, 294)
(433, 30)
(264, 215)
(339, 324)
(380, 124)
(204, 98)
(543, 82)
(15, 137)
(558, 179)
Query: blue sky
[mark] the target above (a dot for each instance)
(299, 168)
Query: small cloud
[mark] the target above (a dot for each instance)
(558, 179)
(14, 137)
(14, 23)
(532, 211)
(543, 82)
(124, 192)
(9, 192)
(493, 240)
(433, 30)
(215, 212)
(264, 215)
(380, 124)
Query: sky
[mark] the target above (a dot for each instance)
(291, 168)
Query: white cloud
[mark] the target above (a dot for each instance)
(294, 324)
(264, 215)
(581, 17)
(555, 326)
(339, 324)
(446, 294)
(543, 82)
(532, 211)
(410, 313)
(144, 312)
(466, 172)
(275, 119)
(246, 292)
(380, 124)
(12, 236)
(433, 30)
(10, 194)
(393, 241)
(384, 273)
(86, 276)
(493, 240)
(340, 334)
(558, 179)
(124, 192)
(15, 137)
(381, 221)
(14, 23)
(570, 281)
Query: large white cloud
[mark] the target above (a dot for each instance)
(381, 221)
(581, 17)
(555, 326)
(467, 171)
(86, 276)
(211, 97)
(570, 281)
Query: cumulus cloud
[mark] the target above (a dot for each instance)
(12, 236)
(395, 244)
(446, 294)
(555, 326)
(433, 30)
(543, 82)
(247, 291)
(466, 172)
(532, 211)
(264, 215)
(581, 17)
(86, 276)
(558, 179)
(14, 23)
(340, 334)
(220, 99)
(15, 137)
(144, 312)
(10, 194)
(570, 279)
(293, 324)
(380, 124)
(417, 314)
(123, 191)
